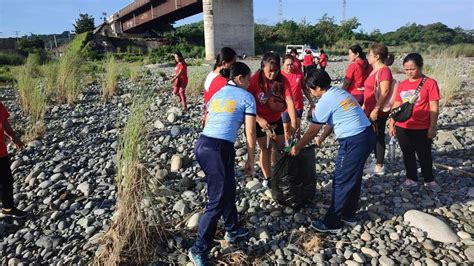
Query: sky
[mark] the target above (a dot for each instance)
(25, 17)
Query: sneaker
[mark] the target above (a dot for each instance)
(409, 184)
(319, 226)
(198, 260)
(350, 221)
(14, 212)
(379, 170)
(267, 183)
(433, 186)
(369, 167)
(234, 235)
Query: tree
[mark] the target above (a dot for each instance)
(84, 23)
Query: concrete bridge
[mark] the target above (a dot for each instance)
(226, 22)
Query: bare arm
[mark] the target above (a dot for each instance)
(12, 135)
(326, 132)
(291, 111)
(434, 112)
(391, 122)
(313, 130)
(346, 84)
(250, 132)
(384, 90)
(308, 96)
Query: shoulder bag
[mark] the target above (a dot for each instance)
(403, 112)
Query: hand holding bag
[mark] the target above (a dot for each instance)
(403, 112)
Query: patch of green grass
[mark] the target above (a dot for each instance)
(196, 79)
(112, 74)
(11, 59)
(69, 75)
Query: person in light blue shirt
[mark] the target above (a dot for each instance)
(337, 108)
(228, 109)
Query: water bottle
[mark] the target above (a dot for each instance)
(391, 149)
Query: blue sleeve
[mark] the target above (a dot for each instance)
(250, 105)
(322, 112)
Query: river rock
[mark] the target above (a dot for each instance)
(434, 227)
(469, 252)
(193, 222)
(176, 163)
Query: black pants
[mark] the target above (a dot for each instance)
(6, 180)
(380, 124)
(416, 141)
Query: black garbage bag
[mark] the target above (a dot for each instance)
(294, 178)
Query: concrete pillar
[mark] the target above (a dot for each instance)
(228, 23)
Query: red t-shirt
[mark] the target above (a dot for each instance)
(261, 97)
(296, 85)
(308, 60)
(420, 118)
(183, 78)
(3, 118)
(369, 87)
(217, 83)
(323, 60)
(296, 65)
(357, 73)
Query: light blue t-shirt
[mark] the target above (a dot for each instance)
(340, 109)
(226, 112)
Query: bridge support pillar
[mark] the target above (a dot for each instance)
(228, 23)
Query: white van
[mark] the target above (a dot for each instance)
(300, 49)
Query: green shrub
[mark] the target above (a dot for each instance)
(112, 73)
(11, 59)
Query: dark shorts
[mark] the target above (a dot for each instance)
(278, 130)
(285, 116)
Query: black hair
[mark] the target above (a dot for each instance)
(416, 58)
(293, 50)
(381, 50)
(180, 56)
(356, 49)
(321, 51)
(272, 59)
(318, 78)
(226, 54)
(287, 56)
(237, 69)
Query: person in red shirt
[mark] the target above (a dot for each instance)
(308, 61)
(268, 85)
(323, 59)
(415, 135)
(358, 70)
(6, 177)
(296, 62)
(296, 81)
(218, 78)
(380, 78)
(180, 79)
(226, 57)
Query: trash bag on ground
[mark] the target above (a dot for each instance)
(294, 178)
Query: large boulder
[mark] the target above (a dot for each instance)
(434, 227)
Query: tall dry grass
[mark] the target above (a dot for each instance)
(112, 74)
(32, 97)
(50, 74)
(445, 69)
(130, 235)
(68, 77)
(196, 79)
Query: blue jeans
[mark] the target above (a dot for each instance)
(216, 158)
(350, 160)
